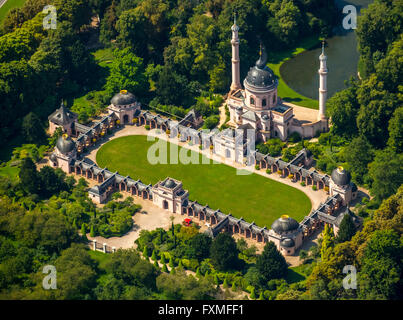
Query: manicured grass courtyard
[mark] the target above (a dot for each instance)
(253, 197)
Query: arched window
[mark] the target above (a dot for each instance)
(274, 99)
(263, 102)
(252, 101)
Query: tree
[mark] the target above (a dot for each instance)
(172, 88)
(145, 252)
(32, 128)
(224, 252)
(211, 122)
(171, 262)
(225, 283)
(164, 268)
(28, 176)
(128, 73)
(396, 131)
(347, 229)
(377, 28)
(327, 241)
(253, 294)
(92, 232)
(76, 274)
(83, 232)
(377, 107)
(200, 245)
(154, 256)
(359, 154)
(303, 255)
(343, 108)
(386, 172)
(52, 181)
(381, 267)
(271, 263)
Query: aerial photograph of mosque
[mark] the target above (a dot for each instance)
(201, 150)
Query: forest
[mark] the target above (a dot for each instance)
(174, 55)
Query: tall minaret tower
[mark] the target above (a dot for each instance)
(236, 83)
(322, 84)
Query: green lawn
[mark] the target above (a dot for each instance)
(252, 197)
(284, 91)
(11, 172)
(10, 4)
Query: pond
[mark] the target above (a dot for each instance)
(301, 72)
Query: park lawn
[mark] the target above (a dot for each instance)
(10, 4)
(284, 91)
(253, 197)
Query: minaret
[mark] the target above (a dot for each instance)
(236, 83)
(322, 84)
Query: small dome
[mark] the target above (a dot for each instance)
(287, 243)
(123, 98)
(170, 184)
(340, 176)
(65, 144)
(284, 224)
(53, 157)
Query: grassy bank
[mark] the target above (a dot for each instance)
(10, 4)
(284, 91)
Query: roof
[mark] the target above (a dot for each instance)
(62, 116)
(340, 176)
(250, 115)
(123, 98)
(64, 144)
(284, 224)
(287, 243)
(261, 75)
(340, 217)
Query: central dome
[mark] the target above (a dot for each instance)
(261, 75)
(263, 78)
(284, 224)
(64, 144)
(123, 98)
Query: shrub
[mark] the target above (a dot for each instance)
(253, 294)
(294, 137)
(92, 232)
(145, 252)
(257, 167)
(279, 172)
(268, 171)
(290, 176)
(154, 256)
(163, 258)
(164, 268)
(225, 284)
(303, 184)
(314, 188)
(171, 262)
(147, 127)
